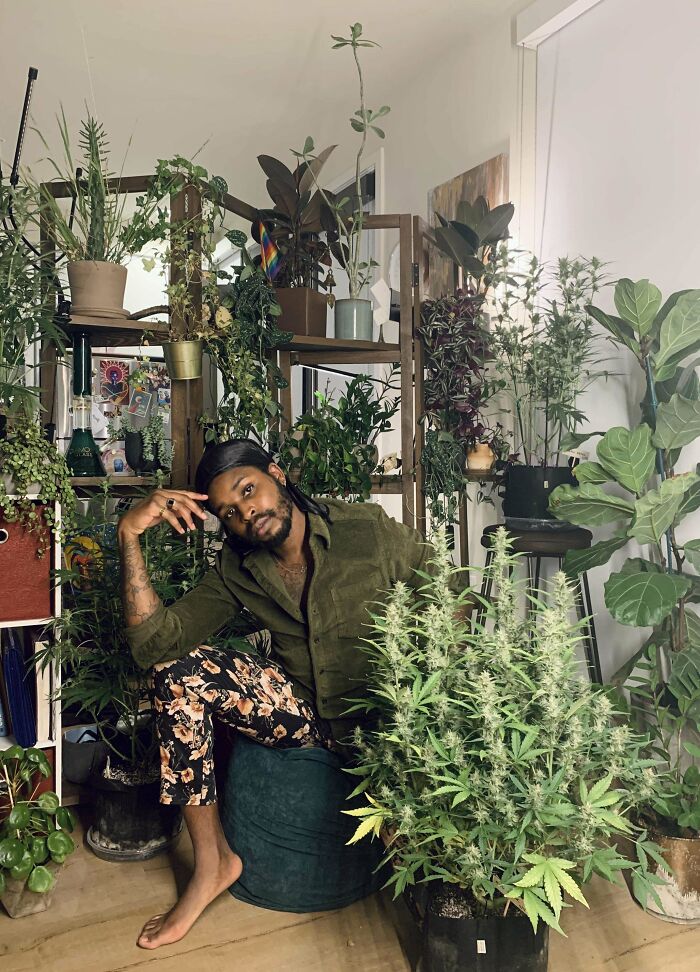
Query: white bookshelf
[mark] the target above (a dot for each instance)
(48, 712)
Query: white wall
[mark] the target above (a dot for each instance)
(618, 157)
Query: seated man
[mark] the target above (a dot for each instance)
(307, 571)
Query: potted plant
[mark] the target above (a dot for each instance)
(498, 776)
(145, 447)
(240, 331)
(34, 835)
(103, 686)
(344, 216)
(294, 227)
(545, 355)
(27, 298)
(456, 394)
(331, 451)
(471, 241)
(632, 486)
(188, 265)
(95, 233)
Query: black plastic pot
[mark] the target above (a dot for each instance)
(129, 823)
(482, 944)
(84, 754)
(526, 490)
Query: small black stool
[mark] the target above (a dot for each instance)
(536, 544)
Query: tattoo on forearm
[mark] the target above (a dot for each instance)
(139, 599)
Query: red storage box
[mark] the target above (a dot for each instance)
(25, 579)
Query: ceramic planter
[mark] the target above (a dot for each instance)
(19, 901)
(183, 359)
(303, 311)
(97, 289)
(353, 319)
(481, 458)
(680, 896)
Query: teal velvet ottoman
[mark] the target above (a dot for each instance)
(281, 814)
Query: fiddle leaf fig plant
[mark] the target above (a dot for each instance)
(634, 487)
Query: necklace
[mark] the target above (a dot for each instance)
(290, 570)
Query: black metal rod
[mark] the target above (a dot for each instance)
(31, 78)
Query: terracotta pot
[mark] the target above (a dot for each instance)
(97, 289)
(481, 458)
(303, 311)
(680, 896)
(183, 359)
(19, 901)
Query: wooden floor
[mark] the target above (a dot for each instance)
(99, 908)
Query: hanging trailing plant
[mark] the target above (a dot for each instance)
(29, 464)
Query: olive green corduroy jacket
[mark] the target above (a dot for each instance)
(356, 560)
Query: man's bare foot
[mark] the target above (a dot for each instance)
(201, 891)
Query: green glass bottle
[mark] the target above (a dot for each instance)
(83, 455)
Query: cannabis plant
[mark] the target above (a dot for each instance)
(544, 346)
(493, 766)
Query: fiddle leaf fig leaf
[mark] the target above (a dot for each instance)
(628, 456)
(643, 599)
(677, 423)
(588, 505)
(591, 472)
(657, 509)
(620, 330)
(680, 331)
(578, 561)
(691, 549)
(637, 302)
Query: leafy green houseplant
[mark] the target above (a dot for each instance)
(496, 773)
(456, 394)
(545, 355)
(632, 488)
(345, 215)
(31, 465)
(242, 345)
(331, 451)
(471, 241)
(97, 233)
(26, 310)
(34, 836)
(294, 226)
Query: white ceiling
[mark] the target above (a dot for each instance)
(243, 77)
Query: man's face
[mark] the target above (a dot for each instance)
(253, 505)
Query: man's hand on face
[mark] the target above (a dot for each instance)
(179, 507)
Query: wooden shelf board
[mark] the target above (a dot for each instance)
(7, 741)
(30, 622)
(117, 331)
(387, 484)
(112, 480)
(302, 342)
(476, 476)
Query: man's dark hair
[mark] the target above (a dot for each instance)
(246, 452)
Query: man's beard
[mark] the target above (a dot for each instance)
(282, 512)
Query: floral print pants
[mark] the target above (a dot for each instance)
(252, 694)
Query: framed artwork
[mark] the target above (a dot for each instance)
(152, 377)
(490, 180)
(112, 380)
(139, 402)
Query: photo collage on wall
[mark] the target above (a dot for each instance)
(128, 392)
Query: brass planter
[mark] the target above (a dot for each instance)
(303, 311)
(680, 895)
(183, 359)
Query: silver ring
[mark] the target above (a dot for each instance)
(170, 503)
